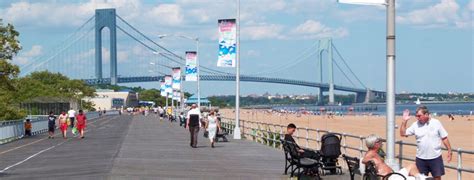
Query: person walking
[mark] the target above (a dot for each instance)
(429, 134)
(63, 118)
(71, 114)
(161, 111)
(51, 125)
(81, 123)
(193, 122)
(211, 127)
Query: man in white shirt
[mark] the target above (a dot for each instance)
(193, 122)
(72, 115)
(429, 134)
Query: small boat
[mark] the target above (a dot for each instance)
(418, 102)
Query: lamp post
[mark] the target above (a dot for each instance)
(196, 39)
(237, 134)
(390, 4)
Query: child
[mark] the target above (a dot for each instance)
(51, 124)
(63, 119)
(81, 123)
(27, 127)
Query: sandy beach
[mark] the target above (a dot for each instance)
(460, 131)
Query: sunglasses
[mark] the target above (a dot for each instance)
(419, 115)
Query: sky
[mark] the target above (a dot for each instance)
(434, 38)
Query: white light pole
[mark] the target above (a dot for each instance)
(197, 62)
(237, 134)
(390, 4)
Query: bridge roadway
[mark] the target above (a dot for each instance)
(138, 147)
(324, 86)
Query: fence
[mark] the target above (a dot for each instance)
(14, 129)
(269, 134)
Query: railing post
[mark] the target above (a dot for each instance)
(400, 154)
(459, 164)
(344, 136)
(297, 135)
(307, 137)
(317, 138)
(255, 128)
(243, 127)
(361, 146)
(274, 136)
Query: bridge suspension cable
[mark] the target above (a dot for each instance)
(350, 69)
(300, 58)
(160, 46)
(33, 64)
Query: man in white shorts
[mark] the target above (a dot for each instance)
(374, 143)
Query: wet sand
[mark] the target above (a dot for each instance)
(461, 131)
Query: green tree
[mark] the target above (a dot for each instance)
(9, 47)
(47, 84)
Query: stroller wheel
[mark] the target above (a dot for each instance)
(321, 171)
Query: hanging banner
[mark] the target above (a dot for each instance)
(177, 95)
(162, 89)
(364, 2)
(176, 78)
(191, 66)
(168, 84)
(227, 43)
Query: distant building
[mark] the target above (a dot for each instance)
(109, 99)
(194, 100)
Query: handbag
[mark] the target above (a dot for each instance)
(206, 134)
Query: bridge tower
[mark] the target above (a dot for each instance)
(106, 18)
(325, 45)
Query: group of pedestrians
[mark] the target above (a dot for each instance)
(194, 122)
(77, 123)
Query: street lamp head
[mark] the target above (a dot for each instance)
(161, 36)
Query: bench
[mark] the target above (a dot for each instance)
(304, 165)
(370, 173)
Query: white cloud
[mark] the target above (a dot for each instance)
(315, 29)
(167, 14)
(443, 14)
(63, 14)
(471, 6)
(253, 53)
(26, 57)
(262, 31)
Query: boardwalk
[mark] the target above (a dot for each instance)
(138, 147)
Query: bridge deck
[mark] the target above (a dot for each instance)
(131, 147)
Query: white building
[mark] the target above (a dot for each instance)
(109, 99)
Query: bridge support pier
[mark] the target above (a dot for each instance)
(369, 96)
(106, 18)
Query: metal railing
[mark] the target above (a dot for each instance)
(267, 136)
(15, 129)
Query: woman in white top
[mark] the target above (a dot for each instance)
(211, 126)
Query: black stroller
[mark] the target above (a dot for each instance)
(330, 152)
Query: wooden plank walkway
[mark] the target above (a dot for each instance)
(139, 147)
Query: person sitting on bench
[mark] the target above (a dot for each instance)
(290, 129)
(374, 143)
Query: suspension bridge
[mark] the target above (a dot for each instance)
(130, 50)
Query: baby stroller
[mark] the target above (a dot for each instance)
(221, 135)
(330, 152)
